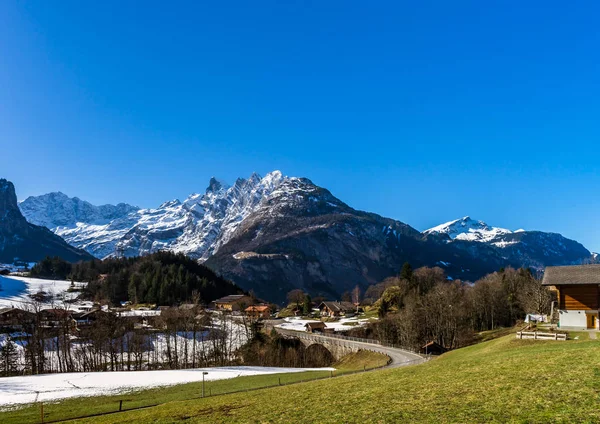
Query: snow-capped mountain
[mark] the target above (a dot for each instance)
(198, 226)
(469, 230)
(529, 248)
(55, 210)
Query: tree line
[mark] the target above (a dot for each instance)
(416, 307)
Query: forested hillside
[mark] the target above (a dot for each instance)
(163, 278)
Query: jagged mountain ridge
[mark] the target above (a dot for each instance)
(26, 242)
(197, 226)
(276, 233)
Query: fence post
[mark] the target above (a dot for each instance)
(120, 405)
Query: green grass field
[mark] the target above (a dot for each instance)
(77, 407)
(502, 380)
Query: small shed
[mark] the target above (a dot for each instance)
(315, 327)
(433, 348)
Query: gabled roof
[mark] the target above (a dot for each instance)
(570, 275)
(338, 306)
(7, 310)
(231, 298)
(316, 324)
(257, 308)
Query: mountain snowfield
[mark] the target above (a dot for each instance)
(198, 226)
(471, 230)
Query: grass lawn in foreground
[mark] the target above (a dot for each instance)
(77, 407)
(502, 380)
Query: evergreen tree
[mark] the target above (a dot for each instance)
(307, 305)
(407, 272)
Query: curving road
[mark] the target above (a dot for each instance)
(399, 357)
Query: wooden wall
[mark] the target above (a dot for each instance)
(578, 297)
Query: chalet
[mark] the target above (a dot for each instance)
(578, 292)
(56, 317)
(15, 317)
(258, 311)
(233, 302)
(336, 309)
(315, 327)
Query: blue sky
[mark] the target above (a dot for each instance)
(420, 111)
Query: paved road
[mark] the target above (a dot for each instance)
(399, 357)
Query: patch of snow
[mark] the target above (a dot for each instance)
(16, 291)
(52, 387)
(297, 323)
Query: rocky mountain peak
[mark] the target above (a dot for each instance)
(8, 200)
(216, 185)
(20, 240)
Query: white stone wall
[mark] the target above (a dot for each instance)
(572, 319)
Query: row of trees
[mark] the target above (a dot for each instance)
(419, 306)
(178, 338)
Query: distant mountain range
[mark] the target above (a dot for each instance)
(21, 241)
(275, 233)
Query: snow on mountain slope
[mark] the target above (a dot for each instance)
(54, 210)
(524, 248)
(469, 230)
(198, 226)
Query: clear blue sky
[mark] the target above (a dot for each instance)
(420, 111)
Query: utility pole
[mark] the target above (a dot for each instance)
(203, 374)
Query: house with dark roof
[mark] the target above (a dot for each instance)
(15, 317)
(315, 327)
(336, 309)
(578, 291)
(233, 302)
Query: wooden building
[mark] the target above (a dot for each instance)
(433, 348)
(578, 293)
(258, 311)
(315, 327)
(233, 302)
(15, 317)
(336, 309)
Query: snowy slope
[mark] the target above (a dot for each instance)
(15, 291)
(469, 230)
(52, 387)
(54, 210)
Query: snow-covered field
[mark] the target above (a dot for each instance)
(15, 291)
(50, 387)
(344, 324)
